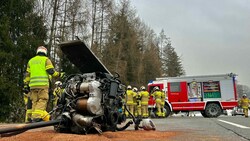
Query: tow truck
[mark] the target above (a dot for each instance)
(209, 94)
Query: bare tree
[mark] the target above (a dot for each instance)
(112, 30)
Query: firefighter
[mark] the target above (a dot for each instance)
(144, 101)
(244, 103)
(129, 100)
(57, 93)
(28, 106)
(157, 96)
(163, 96)
(37, 79)
(137, 102)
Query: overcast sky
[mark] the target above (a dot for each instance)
(211, 36)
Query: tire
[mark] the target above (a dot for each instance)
(213, 110)
(203, 114)
(167, 111)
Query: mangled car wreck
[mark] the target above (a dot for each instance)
(91, 102)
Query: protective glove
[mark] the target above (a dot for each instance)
(62, 75)
(26, 88)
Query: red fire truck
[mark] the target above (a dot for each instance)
(209, 94)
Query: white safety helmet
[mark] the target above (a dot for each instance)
(129, 87)
(58, 83)
(41, 49)
(156, 88)
(135, 89)
(148, 124)
(244, 95)
(143, 88)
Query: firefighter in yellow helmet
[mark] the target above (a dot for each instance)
(37, 79)
(144, 101)
(157, 96)
(137, 102)
(129, 100)
(57, 92)
(244, 103)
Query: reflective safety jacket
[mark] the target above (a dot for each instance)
(157, 95)
(135, 97)
(163, 97)
(138, 99)
(57, 93)
(144, 97)
(130, 97)
(244, 102)
(37, 72)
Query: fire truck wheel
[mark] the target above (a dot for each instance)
(213, 110)
(203, 114)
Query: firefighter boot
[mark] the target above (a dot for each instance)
(28, 116)
(163, 114)
(159, 114)
(37, 120)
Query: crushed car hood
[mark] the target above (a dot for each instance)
(82, 57)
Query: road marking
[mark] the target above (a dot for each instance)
(234, 124)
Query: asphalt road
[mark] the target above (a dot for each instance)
(228, 128)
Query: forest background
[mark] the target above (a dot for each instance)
(111, 29)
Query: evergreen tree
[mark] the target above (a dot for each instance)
(21, 31)
(152, 64)
(121, 53)
(172, 65)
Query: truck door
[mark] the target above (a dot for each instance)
(177, 92)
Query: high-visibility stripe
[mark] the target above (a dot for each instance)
(39, 113)
(29, 111)
(39, 81)
(130, 102)
(144, 103)
(40, 77)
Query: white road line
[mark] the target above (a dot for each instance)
(234, 124)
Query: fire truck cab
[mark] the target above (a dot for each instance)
(209, 94)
